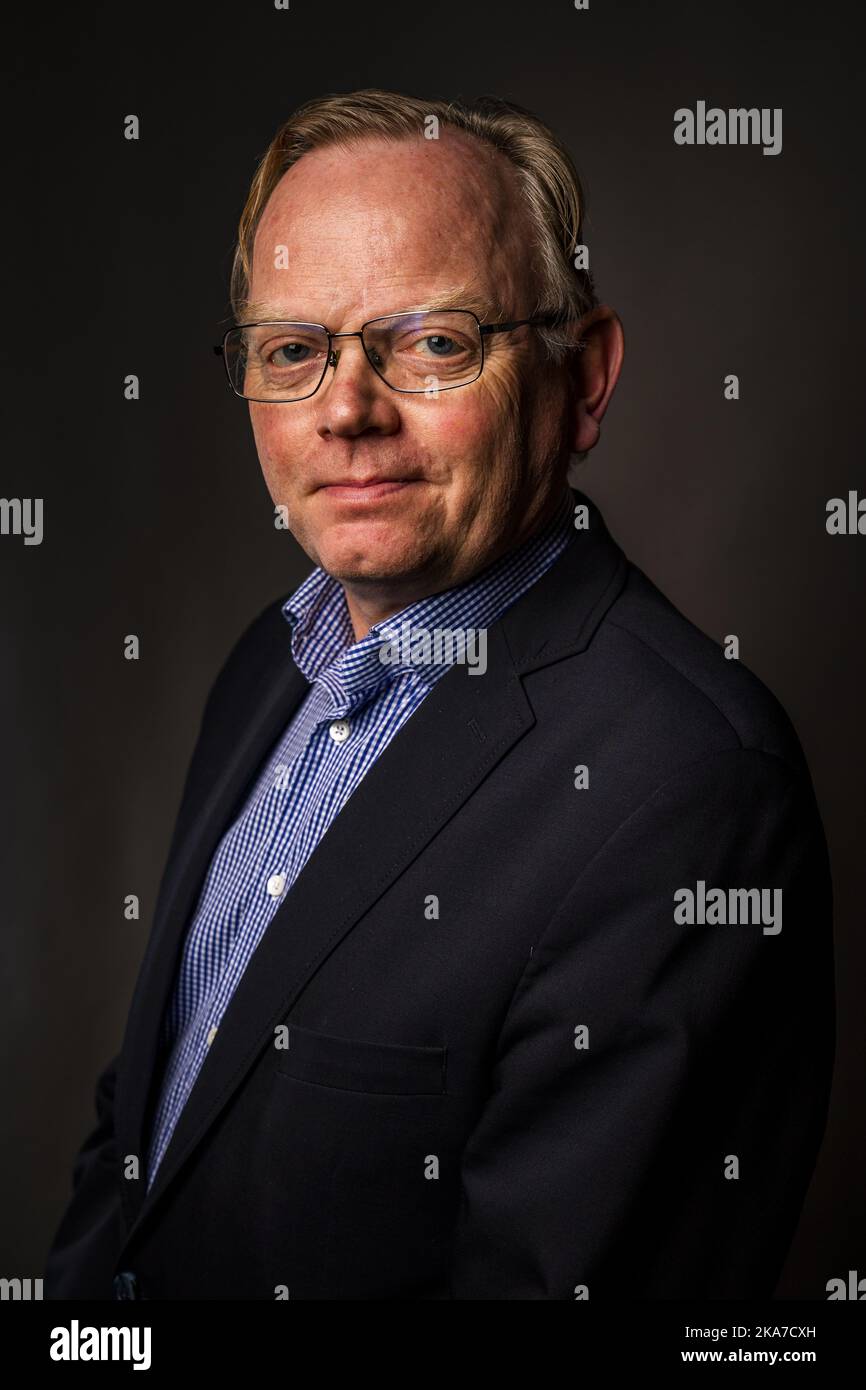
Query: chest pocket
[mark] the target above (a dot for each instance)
(351, 1064)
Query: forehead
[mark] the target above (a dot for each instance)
(380, 225)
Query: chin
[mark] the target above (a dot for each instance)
(375, 560)
(376, 569)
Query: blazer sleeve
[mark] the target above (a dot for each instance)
(80, 1263)
(665, 1152)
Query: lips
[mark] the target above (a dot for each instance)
(373, 481)
(367, 492)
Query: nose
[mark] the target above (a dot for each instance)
(353, 399)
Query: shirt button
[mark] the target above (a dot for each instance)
(340, 730)
(211, 1034)
(276, 884)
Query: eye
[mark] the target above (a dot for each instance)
(288, 354)
(440, 345)
(418, 344)
(278, 352)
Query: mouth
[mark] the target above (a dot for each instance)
(368, 490)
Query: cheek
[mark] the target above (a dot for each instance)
(273, 437)
(456, 434)
(466, 432)
(259, 423)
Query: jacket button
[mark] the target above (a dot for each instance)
(125, 1285)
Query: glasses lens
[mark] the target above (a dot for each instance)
(276, 361)
(426, 352)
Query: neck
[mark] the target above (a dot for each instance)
(373, 604)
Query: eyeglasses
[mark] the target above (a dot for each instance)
(425, 352)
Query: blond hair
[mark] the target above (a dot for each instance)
(548, 182)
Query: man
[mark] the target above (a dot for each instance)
(493, 955)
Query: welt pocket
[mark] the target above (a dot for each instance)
(353, 1064)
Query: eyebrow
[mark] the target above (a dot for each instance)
(459, 297)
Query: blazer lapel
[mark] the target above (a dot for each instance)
(463, 728)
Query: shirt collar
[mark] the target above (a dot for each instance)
(323, 641)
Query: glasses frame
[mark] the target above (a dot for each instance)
(484, 329)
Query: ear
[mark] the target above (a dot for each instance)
(594, 370)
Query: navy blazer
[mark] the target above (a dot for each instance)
(512, 1070)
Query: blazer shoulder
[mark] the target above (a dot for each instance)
(263, 643)
(694, 669)
(266, 632)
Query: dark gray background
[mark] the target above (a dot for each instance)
(157, 520)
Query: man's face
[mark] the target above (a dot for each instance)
(373, 230)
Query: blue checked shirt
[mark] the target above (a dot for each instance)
(354, 707)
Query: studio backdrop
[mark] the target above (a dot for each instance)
(730, 466)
